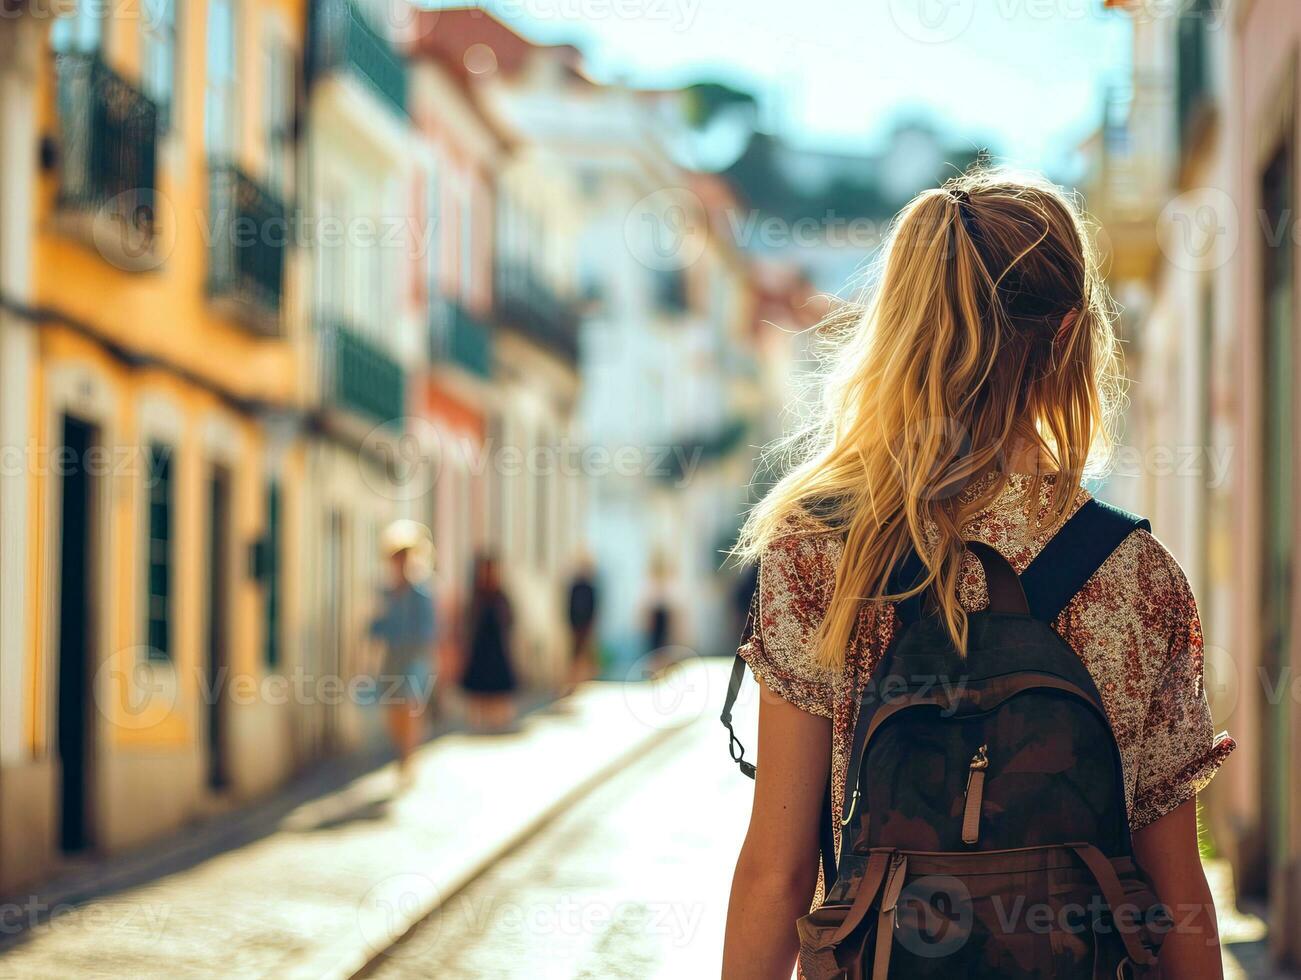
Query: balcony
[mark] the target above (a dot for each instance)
(246, 258)
(458, 337)
(342, 39)
(108, 132)
(705, 449)
(1135, 174)
(361, 377)
(528, 305)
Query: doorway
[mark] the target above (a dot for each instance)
(76, 647)
(336, 579)
(1278, 305)
(217, 663)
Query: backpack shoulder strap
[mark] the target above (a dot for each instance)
(826, 833)
(734, 747)
(1074, 553)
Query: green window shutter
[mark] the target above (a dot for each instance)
(271, 649)
(158, 580)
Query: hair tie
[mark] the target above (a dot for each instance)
(965, 215)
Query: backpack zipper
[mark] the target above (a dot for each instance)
(975, 792)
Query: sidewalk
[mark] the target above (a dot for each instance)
(345, 875)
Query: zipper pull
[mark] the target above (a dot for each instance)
(975, 793)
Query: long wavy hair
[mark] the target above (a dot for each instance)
(988, 332)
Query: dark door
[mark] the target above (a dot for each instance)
(336, 570)
(1278, 308)
(76, 634)
(218, 576)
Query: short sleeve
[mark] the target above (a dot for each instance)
(796, 577)
(1180, 750)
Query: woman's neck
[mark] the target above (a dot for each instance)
(1026, 458)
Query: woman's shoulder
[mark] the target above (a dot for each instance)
(797, 574)
(1141, 603)
(1145, 568)
(797, 567)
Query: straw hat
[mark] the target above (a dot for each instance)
(413, 538)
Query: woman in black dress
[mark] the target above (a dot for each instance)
(489, 679)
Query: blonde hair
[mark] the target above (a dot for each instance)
(965, 349)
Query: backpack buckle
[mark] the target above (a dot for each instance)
(737, 751)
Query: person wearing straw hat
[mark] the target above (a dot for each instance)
(406, 626)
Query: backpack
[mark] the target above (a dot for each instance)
(985, 831)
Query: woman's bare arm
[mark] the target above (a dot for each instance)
(1167, 850)
(777, 870)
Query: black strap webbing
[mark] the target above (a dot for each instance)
(734, 747)
(826, 833)
(1067, 561)
(1073, 554)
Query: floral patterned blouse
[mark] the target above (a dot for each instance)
(1134, 624)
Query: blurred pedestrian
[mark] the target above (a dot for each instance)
(489, 679)
(583, 606)
(659, 616)
(406, 626)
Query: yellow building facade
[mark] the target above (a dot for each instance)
(160, 328)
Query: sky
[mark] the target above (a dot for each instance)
(1025, 76)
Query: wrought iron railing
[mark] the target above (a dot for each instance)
(249, 236)
(527, 304)
(360, 376)
(457, 336)
(108, 160)
(343, 39)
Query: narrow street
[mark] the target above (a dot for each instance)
(631, 882)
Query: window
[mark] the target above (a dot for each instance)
(542, 480)
(82, 31)
(433, 228)
(331, 279)
(220, 111)
(271, 581)
(1192, 63)
(466, 251)
(278, 110)
(158, 56)
(158, 577)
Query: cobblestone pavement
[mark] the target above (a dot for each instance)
(630, 883)
(627, 880)
(344, 875)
